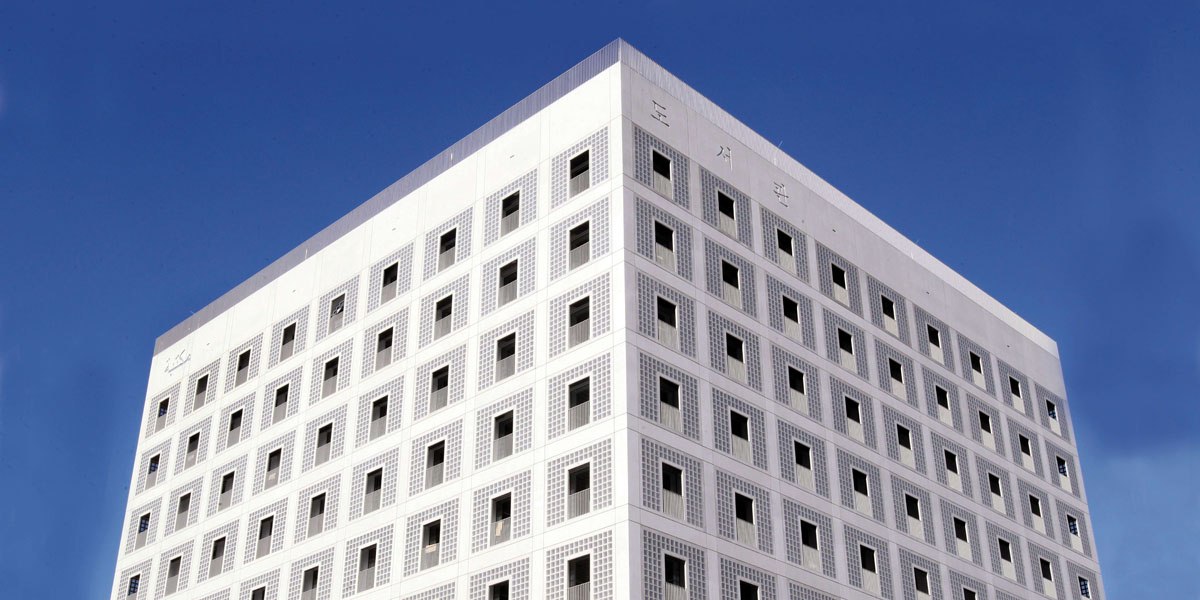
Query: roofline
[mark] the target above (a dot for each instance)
(616, 51)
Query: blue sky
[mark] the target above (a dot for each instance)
(151, 159)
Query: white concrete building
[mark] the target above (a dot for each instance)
(611, 345)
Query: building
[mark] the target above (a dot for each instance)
(613, 344)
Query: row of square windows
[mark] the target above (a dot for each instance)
(666, 240)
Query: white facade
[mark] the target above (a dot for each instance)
(620, 415)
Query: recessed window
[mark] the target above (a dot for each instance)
(1047, 569)
(329, 380)
(383, 348)
(579, 577)
(135, 583)
(309, 583)
(324, 444)
(316, 515)
(279, 411)
(579, 402)
(579, 244)
(796, 381)
(668, 404)
(502, 436)
(735, 362)
(675, 572)
(803, 454)
(443, 312)
(287, 344)
(501, 514)
(935, 336)
(912, 508)
(142, 531)
(846, 346)
(866, 558)
(266, 531)
(672, 488)
(152, 471)
(192, 450)
(182, 509)
(216, 560)
(390, 283)
(161, 419)
(226, 497)
(1085, 588)
(446, 249)
(273, 462)
(660, 164)
(506, 356)
(337, 312)
(747, 591)
(887, 307)
(235, 428)
(379, 413)
(743, 508)
(373, 491)
(498, 591)
(579, 168)
(173, 568)
(960, 529)
(439, 388)
(366, 567)
(784, 243)
(841, 290)
(259, 594)
(860, 482)
(921, 581)
(726, 214)
(664, 237)
(579, 315)
(985, 422)
(200, 396)
(510, 213)
(579, 490)
(853, 410)
(896, 371)
(435, 462)
(969, 594)
(243, 368)
(506, 281)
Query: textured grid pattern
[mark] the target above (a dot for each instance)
(447, 513)
(516, 573)
(855, 538)
(839, 391)
(152, 508)
(398, 323)
(654, 455)
(520, 486)
(771, 223)
(344, 352)
(780, 361)
(599, 371)
(1064, 528)
(714, 255)
(1036, 555)
(184, 553)
(523, 327)
(600, 456)
(390, 463)
(171, 395)
(1044, 395)
(456, 360)
(647, 215)
(655, 547)
(229, 531)
(996, 533)
(202, 427)
(451, 434)
(788, 435)
(1074, 573)
(142, 572)
(521, 405)
(526, 188)
(323, 561)
(644, 145)
(598, 291)
(776, 291)
(246, 405)
(599, 236)
(826, 258)
(934, 380)
(383, 540)
(834, 323)
(238, 468)
(294, 388)
(393, 391)
(846, 464)
(349, 288)
(460, 292)
(596, 146)
(892, 418)
(965, 348)
(300, 320)
(901, 487)
(718, 327)
(710, 185)
(734, 572)
(976, 406)
(793, 514)
(254, 347)
(985, 468)
(951, 511)
(1008, 372)
(268, 581)
(727, 486)
(940, 446)
(906, 391)
(960, 582)
(649, 290)
(162, 452)
(194, 488)
(600, 548)
(403, 260)
(331, 487)
(189, 393)
(276, 510)
(922, 320)
(1015, 431)
(910, 560)
(284, 444)
(1025, 491)
(652, 371)
(525, 254)
(461, 223)
(335, 417)
(876, 291)
(722, 404)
